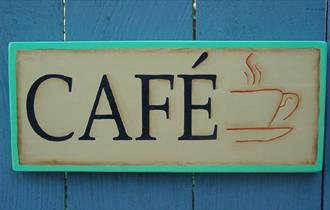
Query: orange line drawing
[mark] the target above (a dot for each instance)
(261, 128)
(281, 104)
(247, 77)
(254, 69)
(256, 90)
(285, 101)
(257, 68)
(295, 108)
(250, 68)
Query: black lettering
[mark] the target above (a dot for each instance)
(115, 113)
(188, 107)
(30, 106)
(147, 107)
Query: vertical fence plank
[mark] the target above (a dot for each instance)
(36, 20)
(129, 20)
(326, 172)
(259, 20)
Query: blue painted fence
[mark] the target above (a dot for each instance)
(43, 20)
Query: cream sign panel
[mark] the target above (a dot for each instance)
(167, 106)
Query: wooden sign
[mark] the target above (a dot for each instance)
(167, 106)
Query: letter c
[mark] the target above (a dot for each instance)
(30, 106)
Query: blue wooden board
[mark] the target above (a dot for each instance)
(41, 20)
(26, 21)
(326, 171)
(129, 20)
(259, 20)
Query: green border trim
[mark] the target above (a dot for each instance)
(15, 46)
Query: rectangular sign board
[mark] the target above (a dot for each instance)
(167, 106)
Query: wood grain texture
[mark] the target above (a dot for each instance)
(129, 20)
(259, 20)
(37, 20)
(326, 170)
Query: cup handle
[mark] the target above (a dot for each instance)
(284, 106)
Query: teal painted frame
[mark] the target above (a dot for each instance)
(15, 46)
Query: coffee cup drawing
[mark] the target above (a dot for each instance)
(264, 108)
(257, 113)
